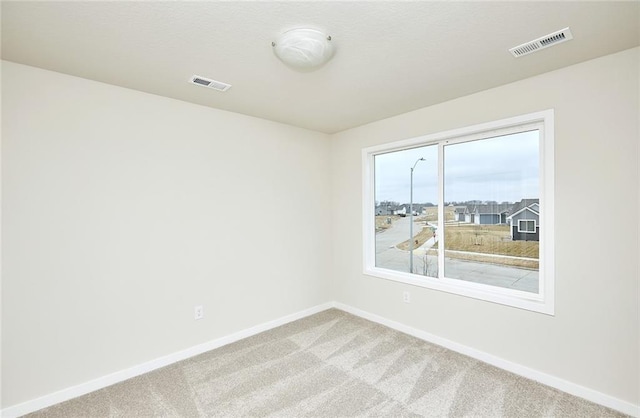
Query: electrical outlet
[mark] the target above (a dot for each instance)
(198, 312)
(406, 297)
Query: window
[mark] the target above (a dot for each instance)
(468, 211)
(526, 226)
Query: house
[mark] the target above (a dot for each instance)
(401, 210)
(525, 220)
(118, 170)
(459, 213)
(470, 215)
(405, 209)
(489, 214)
(386, 210)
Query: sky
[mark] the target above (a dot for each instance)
(504, 168)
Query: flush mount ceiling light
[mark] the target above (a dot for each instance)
(303, 49)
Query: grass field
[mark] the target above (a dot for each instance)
(419, 239)
(481, 241)
(431, 214)
(382, 223)
(488, 239)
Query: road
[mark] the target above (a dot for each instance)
(389, 257)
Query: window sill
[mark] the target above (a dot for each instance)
(509, 297)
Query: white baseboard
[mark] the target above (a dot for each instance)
(555, 382)
(102, 382)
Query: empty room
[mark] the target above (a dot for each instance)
(324, 209)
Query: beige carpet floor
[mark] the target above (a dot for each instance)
(331, 364)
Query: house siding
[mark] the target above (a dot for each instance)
(488, 219)
(523, 236)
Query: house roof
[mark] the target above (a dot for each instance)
(391, 57)
(523, 205)
(518, 206)
(492, 208)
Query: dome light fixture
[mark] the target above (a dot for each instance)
(303, 49)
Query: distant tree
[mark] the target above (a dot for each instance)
(388, 203)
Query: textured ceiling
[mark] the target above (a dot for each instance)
(392, 57)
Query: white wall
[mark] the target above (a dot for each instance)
(122, 210)
(593, 340)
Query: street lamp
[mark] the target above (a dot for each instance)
(411, 218)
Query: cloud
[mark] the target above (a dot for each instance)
(504, 168)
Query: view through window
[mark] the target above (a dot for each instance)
(395, 221)
(491, 185)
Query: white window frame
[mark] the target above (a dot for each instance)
(544, 300)
(526, 231)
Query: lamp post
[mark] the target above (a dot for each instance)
(411, 218)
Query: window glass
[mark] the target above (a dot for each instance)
(406, 217)
(527, 226)
(493, 180)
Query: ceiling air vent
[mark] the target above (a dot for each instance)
(542, 43)
(207, 82)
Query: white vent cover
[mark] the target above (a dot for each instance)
(209, 83)
(552, 39)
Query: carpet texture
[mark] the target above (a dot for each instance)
(331, 364)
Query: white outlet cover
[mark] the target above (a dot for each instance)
(406, 297)
(198, 312)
